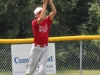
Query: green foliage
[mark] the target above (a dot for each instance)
(94, 19)
(5, 58)
(16, 20)
(91, 50)
(71, 15)
(74, 17)
(67, 55)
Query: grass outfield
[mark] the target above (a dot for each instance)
(77, 72)
(69, 72)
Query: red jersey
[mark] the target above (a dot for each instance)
(41, 31)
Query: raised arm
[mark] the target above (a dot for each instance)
(43, 12)
(53, 8)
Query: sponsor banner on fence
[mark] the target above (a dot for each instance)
(20, 59)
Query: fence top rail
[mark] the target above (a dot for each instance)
(51, 39)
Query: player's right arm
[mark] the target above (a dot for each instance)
(43, 12)
(53, 8)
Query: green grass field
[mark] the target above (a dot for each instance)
(77, 72)
(68, 72)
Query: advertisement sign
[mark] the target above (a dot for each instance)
(20, 59)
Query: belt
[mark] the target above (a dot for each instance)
(41, 45)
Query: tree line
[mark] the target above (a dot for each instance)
(74, 17)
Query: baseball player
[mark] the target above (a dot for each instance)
(40, 27)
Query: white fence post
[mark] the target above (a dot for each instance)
(80, 57)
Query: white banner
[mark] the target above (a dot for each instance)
(20, 59)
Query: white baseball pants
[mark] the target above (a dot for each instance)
(38, 55)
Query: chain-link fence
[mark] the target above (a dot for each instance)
(68, 58)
